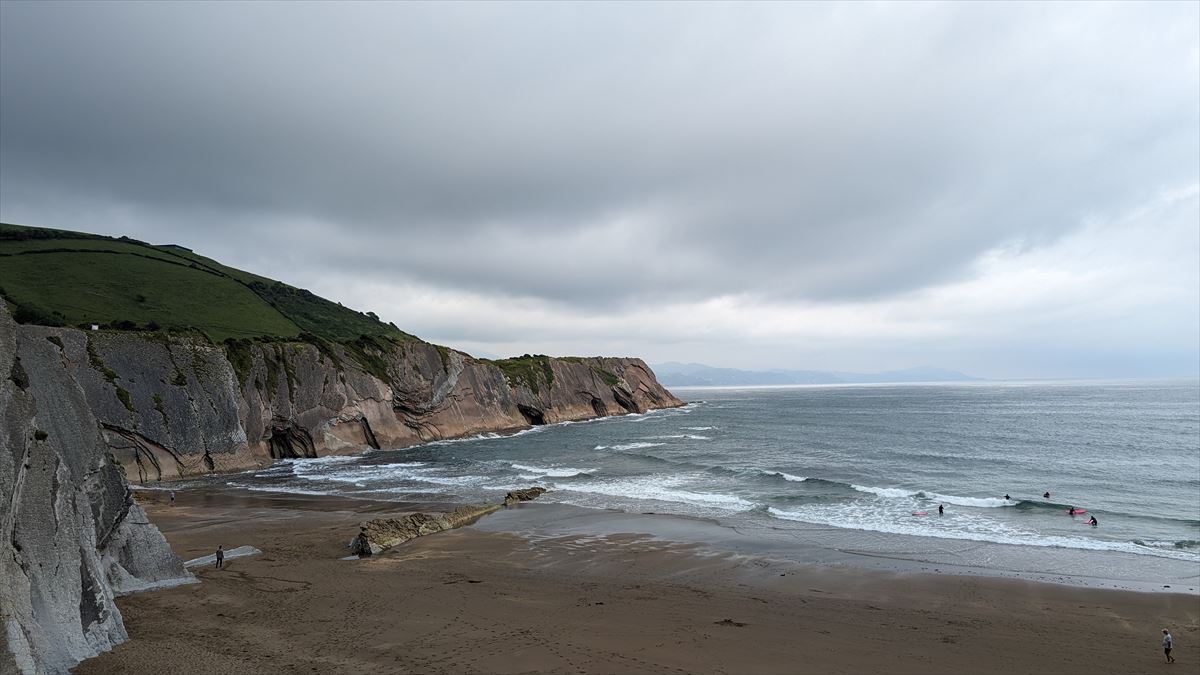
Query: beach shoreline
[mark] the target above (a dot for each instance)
(483, 599)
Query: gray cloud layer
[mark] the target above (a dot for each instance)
(597, 155)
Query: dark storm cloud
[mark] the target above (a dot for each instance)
(597, 154)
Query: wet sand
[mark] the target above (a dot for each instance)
(475, 601)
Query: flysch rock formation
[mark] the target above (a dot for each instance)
(380, 534)
(71, 536)
(86, 412)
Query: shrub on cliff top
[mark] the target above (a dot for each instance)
(529, 370)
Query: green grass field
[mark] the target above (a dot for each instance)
(58, 277)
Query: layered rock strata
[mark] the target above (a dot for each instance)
(82, 411)
(174, 407)
(71, 536)
(381, 534)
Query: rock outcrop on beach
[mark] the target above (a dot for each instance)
(85, 410)
(384, 533)
(381, 534)
(526, 495)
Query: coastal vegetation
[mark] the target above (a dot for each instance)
(530, 370)
(62, 278)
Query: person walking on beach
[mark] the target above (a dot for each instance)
(220, 557)
(172, 498)
(1167, 644)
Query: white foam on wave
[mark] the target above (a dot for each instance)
(659, 489)
(629, 446)
(700, 428)
(785, 476)
(899, 520)
(893, 493)
(487, 436)
(448, 480)
(305, 462)
(553, 472)
(977, 502)
(359, 473)
(1166, 544)
(901, 493)
(288, 490)
(274, 470)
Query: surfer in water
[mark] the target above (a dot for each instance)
(1093, 522)
(1007, 498)
(1071, 511)
(1046, 496)
(941, 509)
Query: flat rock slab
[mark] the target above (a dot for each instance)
(239, 552)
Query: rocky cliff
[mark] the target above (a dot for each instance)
(171, 407)
(83, 411)
(71, 536)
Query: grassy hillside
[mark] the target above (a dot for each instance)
(56, 277)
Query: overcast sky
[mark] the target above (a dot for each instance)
(1010, 190)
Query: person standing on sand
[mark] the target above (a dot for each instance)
(220, 557)
(1167, 644)
(172, 498)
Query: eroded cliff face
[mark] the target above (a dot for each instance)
(71, 536)
(85, 412)
(179, 407)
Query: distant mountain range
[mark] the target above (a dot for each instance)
(674, 374)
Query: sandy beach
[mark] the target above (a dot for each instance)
(474, 601)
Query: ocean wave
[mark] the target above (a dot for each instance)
(658, 490)
(892, 493)
(700, 428)
(1181, 544)
(486, 436)
(301, 465)
(629, 446)
(448, 480)
(283, 489)
(901, 493)
(364, 472)
(977, 502)
(971, 529)
(786, 476)
(316, 461)
(552, 472)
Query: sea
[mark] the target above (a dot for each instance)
(853, 468)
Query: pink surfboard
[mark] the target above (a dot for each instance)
(920, 513)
